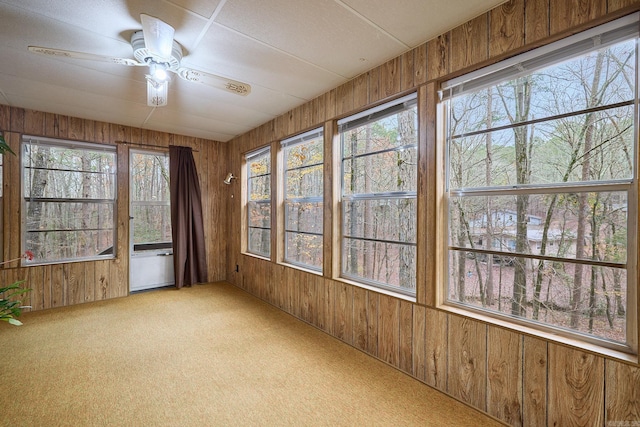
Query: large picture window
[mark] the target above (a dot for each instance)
(303, 190)
(69, 191)
(379, 182)
(258, 173)
(542, 187)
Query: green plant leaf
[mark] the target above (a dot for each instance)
(4, 147)
(15, 322)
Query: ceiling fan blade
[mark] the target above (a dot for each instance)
(209, 79)
(158, 36)
(47, 51)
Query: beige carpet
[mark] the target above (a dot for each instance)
(210, 355)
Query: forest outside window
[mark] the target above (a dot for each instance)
(258, 172)
(378, 200)
(303, 199)
(542, 187)
(69, 193)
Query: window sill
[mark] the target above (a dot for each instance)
(301, 268)
(548, 336)
(262, 257)
(376, 289)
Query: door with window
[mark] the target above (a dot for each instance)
(151, 247)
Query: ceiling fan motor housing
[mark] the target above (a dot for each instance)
(145, 56)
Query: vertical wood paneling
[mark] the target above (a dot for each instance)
(427, 251)
(535, 382)
(76, 128)
(51, 125)
(420, 64)
(506, 29)
(120, 267)
(536, 20)
(344, 98)
(17, 120)
(436, 347)
(471, 41)
(5, 117)
(360, 318)
(47, 286)
(373, 312)
(74, 274)
(576, 387)
(63, 126)
(34, 122)
(566, 14)
(375, 92)
(622, 392)
(407, 74)
(103, 280)
(405, 362)
(438, 54)
(467, 358)
(360, 91)
(90, 282)
(419, 337)
(614, 5)
(11, 198)
(343, 316)
(58, 286)
(390, 77)
(327, 307)
(389, 330)
(504, 375)
(36, 284)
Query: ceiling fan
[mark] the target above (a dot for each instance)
(154, 47)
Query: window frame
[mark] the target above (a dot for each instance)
(109, 253)
(247, 179)
(285, 145)
(483, 78)
(372, 115)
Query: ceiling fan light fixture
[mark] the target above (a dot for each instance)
(158, 71)
(157, 92)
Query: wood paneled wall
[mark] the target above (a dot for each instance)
(57, 285)
(519, 379)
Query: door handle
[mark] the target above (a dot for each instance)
(165, 254)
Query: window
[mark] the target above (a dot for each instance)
(150, 201)
(69, 191)
(379, 182)
(258, 164)
(541, 160)
(303, 190)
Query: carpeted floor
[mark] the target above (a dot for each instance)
(210, 355)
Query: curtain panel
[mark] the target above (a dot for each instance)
(187, 226)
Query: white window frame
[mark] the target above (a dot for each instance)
(261, 152)
(517, 66)
(365, 117)
(109, 253)
(286, 145)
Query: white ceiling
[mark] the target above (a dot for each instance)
(289, 51)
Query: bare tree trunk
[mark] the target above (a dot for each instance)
(583, 208)
(489, 214)
(41, 161)
(523, 101)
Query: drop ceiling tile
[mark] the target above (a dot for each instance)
(320, 32)
(428, 19)
(204, 8)
(232, 55)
